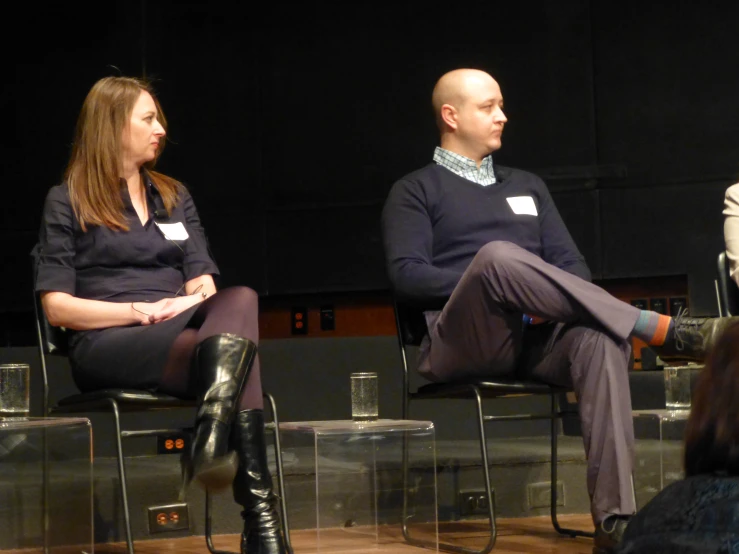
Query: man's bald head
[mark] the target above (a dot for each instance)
(455, 88)
(469, 113)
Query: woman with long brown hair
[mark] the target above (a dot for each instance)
(122, 261)
(700, 514)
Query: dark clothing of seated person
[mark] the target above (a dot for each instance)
(123, 262)
(488, 243)
(700, 514)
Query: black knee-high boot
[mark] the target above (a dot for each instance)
(222, 363)
(252, 487)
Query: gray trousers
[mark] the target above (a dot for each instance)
(480, 333)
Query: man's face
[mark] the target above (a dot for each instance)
(481, 119)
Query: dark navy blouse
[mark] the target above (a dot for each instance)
(142, 264)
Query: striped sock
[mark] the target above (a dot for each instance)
(652, 327)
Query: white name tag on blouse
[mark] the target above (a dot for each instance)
(173, 231)
(522, 205)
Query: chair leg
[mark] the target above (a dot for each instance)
(209, 526)
(122, 475)
(486, 474)
(719, 304)
(446, 547)
(404, 518)
(45, 492)
(280, 472)
(553, 466)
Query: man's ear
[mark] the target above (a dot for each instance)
(449, 115)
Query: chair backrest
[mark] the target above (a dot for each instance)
(51, 340)
(727, 290)
(411, 326)
(411, 323)
(407, 335)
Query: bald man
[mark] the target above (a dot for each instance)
(488, 243)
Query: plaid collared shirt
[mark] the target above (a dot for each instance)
(465, 167)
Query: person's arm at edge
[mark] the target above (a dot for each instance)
(731, 229)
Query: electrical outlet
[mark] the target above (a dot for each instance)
(474, 502)
(172, 444)
(299, 321)
(170, 517)
(539, 494)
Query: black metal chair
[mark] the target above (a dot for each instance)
(727, 291)
(411, 327)
(53, 341)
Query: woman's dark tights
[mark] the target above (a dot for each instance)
(232, 310)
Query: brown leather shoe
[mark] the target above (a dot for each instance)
(609, 533)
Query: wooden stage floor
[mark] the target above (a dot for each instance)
(515, 536)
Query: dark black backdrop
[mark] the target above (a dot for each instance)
(289, 123)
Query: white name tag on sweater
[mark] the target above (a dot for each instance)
(173, 231)
(522, 205)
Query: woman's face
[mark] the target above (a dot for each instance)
(142, 134)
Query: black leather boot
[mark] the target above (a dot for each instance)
(252, 487)
(222, 364)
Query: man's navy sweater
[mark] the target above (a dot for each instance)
(434, 222)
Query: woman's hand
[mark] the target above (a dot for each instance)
(172, 307)
(143, 310)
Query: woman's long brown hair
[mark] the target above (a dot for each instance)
(712, 434)
(93, 173)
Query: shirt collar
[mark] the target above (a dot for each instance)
(466, 167)
(150, 192)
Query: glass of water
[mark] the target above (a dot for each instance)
(677, 387)
(14, 390)
(364, 396)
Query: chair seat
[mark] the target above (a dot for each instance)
(135, 399)
(488, 389)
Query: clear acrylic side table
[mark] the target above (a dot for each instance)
(46, 501)
(659, 451)
(352, 491)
